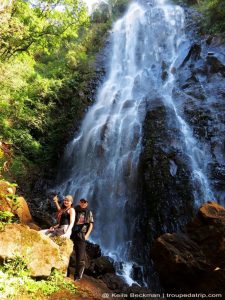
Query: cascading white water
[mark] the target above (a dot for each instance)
(197, 153)
(102, 159)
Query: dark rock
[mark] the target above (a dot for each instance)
(114, 282)
(93, 250)
(194, 53)
(208, 230)
(136, 291)
(43, 211)
(122, 290)
(184, 259)
(217, 174)
(216, 63)
(192, 2)
(100, 266)
(164, 75)
(194, 261)
(137, 274)
(166, 199)
(164, 169)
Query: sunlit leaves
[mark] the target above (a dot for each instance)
(46, 63)
(41, 25)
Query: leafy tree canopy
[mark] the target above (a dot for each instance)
(40, 25)
(47, 50)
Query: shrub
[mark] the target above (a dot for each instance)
(15, 281)
(214, 12)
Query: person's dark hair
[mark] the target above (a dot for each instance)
(83, 200)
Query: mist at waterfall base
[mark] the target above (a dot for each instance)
(101, 162)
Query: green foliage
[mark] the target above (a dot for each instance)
(118, 7)
(15, 266)
(15, 280)
(6, 217)
(109, 11)
(40, 25)
(20, 167)
(41, 45)
(47, 50)
(214, 12)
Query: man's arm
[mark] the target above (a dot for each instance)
(89, 231)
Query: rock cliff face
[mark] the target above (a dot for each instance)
(166, 199)
(200, 94)
(194, 261)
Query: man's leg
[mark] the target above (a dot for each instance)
(80, 247)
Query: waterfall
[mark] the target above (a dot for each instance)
(101, 161)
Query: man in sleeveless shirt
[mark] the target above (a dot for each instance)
(81, 231)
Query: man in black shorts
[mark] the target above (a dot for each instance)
(81, 231)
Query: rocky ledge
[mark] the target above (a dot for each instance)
(194, 261)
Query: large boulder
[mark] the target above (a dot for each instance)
(179, 260)
(194, 261)
(208, 231)
(40, 253)
(22, 211)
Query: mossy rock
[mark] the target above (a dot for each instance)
(40, 253)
